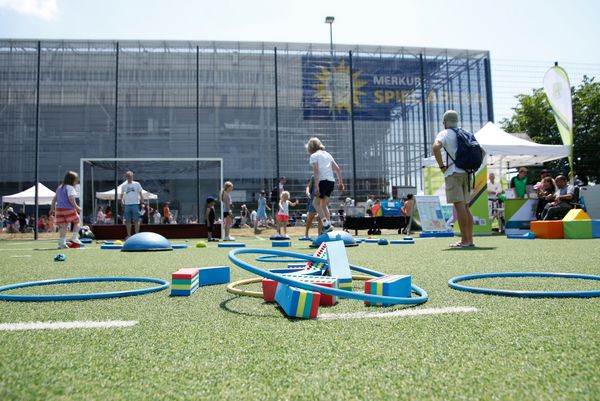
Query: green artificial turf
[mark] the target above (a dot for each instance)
(214, 345)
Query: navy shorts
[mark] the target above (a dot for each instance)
(132, 212)
(325, 188)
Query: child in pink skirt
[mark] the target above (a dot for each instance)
(66, 210)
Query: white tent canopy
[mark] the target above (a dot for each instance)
(506, 150)
(110, 195)
(27, 197)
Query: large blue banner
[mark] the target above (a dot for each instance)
(380, 85)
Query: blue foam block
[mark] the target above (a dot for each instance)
(281, 244)
(402, 241)
(213, 275)
(371, 240)
(529, 235)
(231, 245)
(278, 237)
(436, 234)
(183, 293)
(305, 239)
(111, 246)
(595, 228)
(179, 246)
(85, 240)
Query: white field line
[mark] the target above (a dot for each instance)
(66, 325)
(20, 256)
(397, 313)
(260, 238)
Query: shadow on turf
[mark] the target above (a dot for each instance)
(225, 306)
(472, 248)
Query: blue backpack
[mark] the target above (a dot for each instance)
(469, 154)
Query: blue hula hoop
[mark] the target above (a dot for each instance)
(277, 259)
(422, 294)
(163, 285)
(525, 294)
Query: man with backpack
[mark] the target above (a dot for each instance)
(463, 158)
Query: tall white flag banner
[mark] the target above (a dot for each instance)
(558, 90)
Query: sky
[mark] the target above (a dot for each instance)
(512, 30)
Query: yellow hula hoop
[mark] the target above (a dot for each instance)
(232, 287)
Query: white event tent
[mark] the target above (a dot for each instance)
(27, 197)
(504, 150)
(110, 195)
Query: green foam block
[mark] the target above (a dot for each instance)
(578, 229)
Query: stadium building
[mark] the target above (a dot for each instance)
(376, 108)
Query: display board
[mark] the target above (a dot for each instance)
(430, 212)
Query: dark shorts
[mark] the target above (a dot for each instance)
(325, 188)
(210, 228)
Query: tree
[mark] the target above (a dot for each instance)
(533, 115)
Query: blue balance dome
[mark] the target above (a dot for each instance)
(334, 236)
(143, 242)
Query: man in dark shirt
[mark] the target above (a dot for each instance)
(562, 200)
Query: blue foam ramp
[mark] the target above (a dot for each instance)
(231, 245)
(281, 244)
(338, 265)
(436, 234)
(213, 275)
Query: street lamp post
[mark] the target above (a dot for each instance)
(329, 20)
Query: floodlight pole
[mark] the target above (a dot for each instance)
(116, 206)
(329, 20)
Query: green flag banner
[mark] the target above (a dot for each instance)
(558, 91)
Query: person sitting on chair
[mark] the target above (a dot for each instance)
(561, 202)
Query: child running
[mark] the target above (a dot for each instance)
(283, 216)
(324, 167)
(210, 217)
(261, 212)
(66, 210)
(227, 209)
(311, 212)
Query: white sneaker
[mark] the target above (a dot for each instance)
(327, 228)
(76, 241)
(62, 246)
(230, 238)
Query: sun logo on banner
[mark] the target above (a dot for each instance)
(333, 88)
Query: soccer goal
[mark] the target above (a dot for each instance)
(183, 182)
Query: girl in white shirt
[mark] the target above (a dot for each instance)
(283, 216)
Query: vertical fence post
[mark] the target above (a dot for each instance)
(423, 105)
(116, 150)
(276, 120)
(352, 126)
(37, 143)
(488, 89)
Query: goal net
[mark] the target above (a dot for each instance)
(183, 182)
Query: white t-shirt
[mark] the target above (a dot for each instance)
(494, 189)
(324, 161)
(448, 139)
(131, 192)
(284, 208)
(157, 217)
(71, 191)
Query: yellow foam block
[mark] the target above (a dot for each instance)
(576, 214)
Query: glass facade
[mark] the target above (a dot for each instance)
(377, 109)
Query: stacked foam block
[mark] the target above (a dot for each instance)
(577, 224)
(296, 302)
(393, 286)
(184, 282)
(269, 287)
